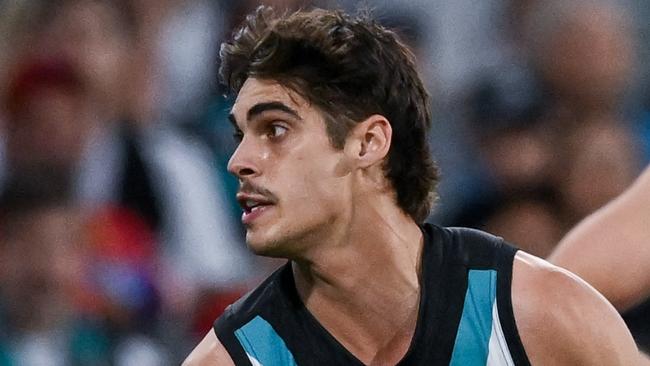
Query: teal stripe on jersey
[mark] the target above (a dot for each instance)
(263, 345)
(472, 339)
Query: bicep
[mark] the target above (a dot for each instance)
(209, 352)
(611, 248)
(564, 321)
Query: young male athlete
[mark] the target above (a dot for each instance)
(336, 176)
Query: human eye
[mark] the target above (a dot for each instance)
(238, 136)
(276, 131)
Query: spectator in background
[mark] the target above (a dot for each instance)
(516, 198)
(179, 59)
(530, 220)
(584, 54)
(583, 51)
(569, 138)
(76, 287)
(603, 159)
(41, 262)
(77, 73)
(98, 52)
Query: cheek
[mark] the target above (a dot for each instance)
(317, 190)
(308, 178)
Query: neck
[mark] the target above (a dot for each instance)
(362, 284)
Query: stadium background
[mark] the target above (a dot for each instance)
(119, 233)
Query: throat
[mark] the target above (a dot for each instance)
(375, 335)
(374, 319)
(365, 291)
(397, 346)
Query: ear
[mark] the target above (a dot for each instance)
(369, 141)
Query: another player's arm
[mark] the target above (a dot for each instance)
(611, 248)
(563, 321)
(210, 352)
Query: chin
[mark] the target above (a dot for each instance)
(262, 244)
(271, 243)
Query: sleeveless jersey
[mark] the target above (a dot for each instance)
(465, 315)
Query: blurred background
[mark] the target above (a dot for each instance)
(120, 240)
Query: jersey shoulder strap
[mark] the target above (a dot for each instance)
(482, 264)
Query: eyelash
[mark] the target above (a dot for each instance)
(272, 131)
(238, 136)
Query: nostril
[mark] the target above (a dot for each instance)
(246, 171)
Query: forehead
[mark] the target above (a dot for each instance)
(256, 91)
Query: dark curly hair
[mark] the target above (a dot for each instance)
(350, 68)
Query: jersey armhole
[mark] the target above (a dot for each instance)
(505, 309)
(226, 335)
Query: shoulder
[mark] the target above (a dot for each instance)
(563, 321)
(209, 352)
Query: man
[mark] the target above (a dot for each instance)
(336, 176)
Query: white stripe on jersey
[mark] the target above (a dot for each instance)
(253, 360)
(498, 352)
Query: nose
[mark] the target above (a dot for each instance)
(242, 162)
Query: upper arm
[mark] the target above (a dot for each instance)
(611, 248)
(209, 352)
(564, 321)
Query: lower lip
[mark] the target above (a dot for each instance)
(249, 216)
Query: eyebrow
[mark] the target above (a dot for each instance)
(260, 108)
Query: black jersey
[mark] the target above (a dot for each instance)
(465, 315)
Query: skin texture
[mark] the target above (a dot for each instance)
(359, 233)
(286, 158)
(563, 321)
(610, 250)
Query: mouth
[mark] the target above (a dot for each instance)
(253, 207)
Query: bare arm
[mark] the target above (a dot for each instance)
(611, 248)
(563, 321)
(209, 352)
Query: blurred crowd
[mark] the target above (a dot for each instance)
(120, 240)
